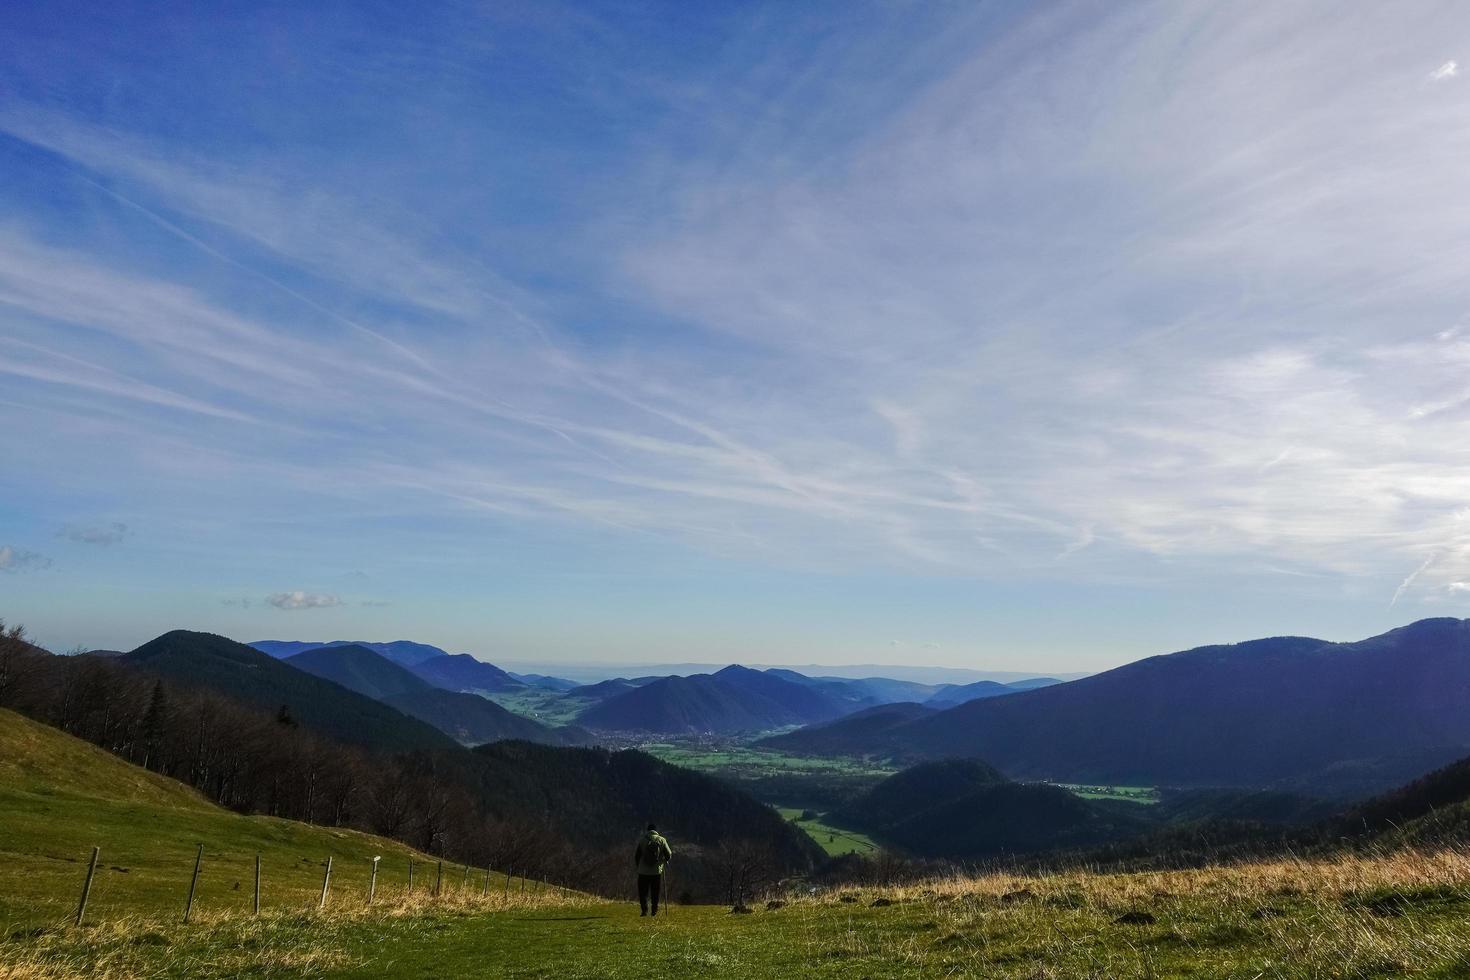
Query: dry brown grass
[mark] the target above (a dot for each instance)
(216, 943)
(1332, 877)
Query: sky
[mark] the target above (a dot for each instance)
(1018, 336)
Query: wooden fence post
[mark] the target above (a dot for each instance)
(410, 876)
(193, 882)
(438, 878)
(464, 881)
(87, 885)
(373, 881)
(326, 881)
(485, 892)
(255, 904)
(523, 882)
(507, 883)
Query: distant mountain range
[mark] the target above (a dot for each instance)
(1342, 717)
(731, 700)
(468, 718)
(405, 653)
(462, 672)
(738, 699)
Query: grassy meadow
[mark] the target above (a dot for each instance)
(832, 839)
(1128, 794)
(1391, 914)
(1385, 916)
(59, 796)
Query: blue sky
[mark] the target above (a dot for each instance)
(1018, 336)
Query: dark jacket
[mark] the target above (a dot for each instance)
(652, 853)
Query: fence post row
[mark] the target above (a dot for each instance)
(193, 882)
(87, 885)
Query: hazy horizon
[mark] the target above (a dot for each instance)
(977, 335)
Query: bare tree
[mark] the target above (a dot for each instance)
(745, 869)
(17, 663)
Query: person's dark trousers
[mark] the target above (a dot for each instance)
(648, 889)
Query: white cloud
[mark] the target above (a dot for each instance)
(1447, 70)
(14, 559)
(302, 600)
(103, 534)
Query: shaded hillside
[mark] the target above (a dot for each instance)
(602, 690)
(405, 653)
(929, 784)
(1432, 810)
(544, 680)
(467, 718)
(954, 694)
(1251, 714)
(473, 720)
(1032, 683)
(605, 798)
(867, 731)
(1010, 818)
(963, 809)
(359, 669)
(864, 691)
(462, 672)
(809, 703)
(687, 704)
(245, 674)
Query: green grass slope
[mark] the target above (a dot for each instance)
(59, 796)
(1391, 916)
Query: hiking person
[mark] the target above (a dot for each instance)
(650, 856)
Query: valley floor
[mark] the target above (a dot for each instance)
(1405, 914)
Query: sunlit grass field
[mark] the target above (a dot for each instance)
(744, 762)
(1128, 794)
(832, 839)
(1392, 914)
(1387, 916)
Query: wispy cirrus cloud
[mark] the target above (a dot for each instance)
(109, 533)
(13, 559)
(303, 600)
(1127, 296)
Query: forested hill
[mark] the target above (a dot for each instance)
(734, 699)
(605, 797)
(246, 675)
